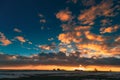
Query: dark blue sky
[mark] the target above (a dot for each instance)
(24, 15)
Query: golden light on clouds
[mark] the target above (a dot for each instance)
(88, 36)
(109, 29)
(4, 40)
(21, 39)
(64, 15)
(91, 36)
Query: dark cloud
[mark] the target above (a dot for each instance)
(55, 59)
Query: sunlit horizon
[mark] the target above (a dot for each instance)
(60, 34)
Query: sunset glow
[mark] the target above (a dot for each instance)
(60, 34)
(68, 68)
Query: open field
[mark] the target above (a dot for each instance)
(58, 75)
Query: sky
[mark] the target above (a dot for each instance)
(60, 33)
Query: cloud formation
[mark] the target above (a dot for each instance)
(54, 59)
(105, 8)
(4, 40)
(109, 29)
(64, 15)
(17, 30)
(82, 40)
(94, 37)
(86, 31)
(47, 47)
(20, 38)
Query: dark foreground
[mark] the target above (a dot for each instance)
(58, 75)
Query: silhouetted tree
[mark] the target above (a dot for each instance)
(110, 70)
(58, 69)
(95, 70)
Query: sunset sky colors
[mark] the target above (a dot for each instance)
(69, 34)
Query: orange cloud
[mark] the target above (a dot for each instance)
(65, 38)
(64, 15)
(4, 40)
(96, 50)
(77, 40)
(45, 47)
(62, 49)
(84, 28)
(115, 50)
(94, 37)
(70, 37)
(109, 29)
(48, 47)
(21, 39)
(103, 9)
(88, 16)
(78, 32)
(93, 50)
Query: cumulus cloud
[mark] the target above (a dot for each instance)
(83, 33)
(93, 50)
(105, 8)
(47, 47)
(64, 38)
(4, 40)
(109, 29)
(64, 15)
(20, 38)
(72, 33)
(94, 37)
(70, 37)
(62, 49)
